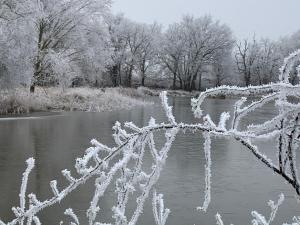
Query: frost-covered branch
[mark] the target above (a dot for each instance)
(207, 145)
(130, 147)
(123, 163)
(283, 126)
(259, 219)
(160, 213)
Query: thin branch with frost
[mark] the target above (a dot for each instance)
(167, 108)
(219, 219)
(69, 212)
(296, 221)
(292, 90)
(160, 213)
(259, 219)
(207, 145)
(282, 125)
(287, 66)
(19, 210)
(30, 165)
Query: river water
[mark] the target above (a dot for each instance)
(239, 182)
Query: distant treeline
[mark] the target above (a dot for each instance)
(81, 42)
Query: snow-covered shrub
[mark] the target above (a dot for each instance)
(123, 163)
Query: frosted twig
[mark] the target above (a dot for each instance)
(160, 213)
(69, 212)
(219, 219)
(30, 165)
(207, 145)
(167, 108)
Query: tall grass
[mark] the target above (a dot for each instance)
(20, 101)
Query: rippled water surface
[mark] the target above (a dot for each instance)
(239, 182)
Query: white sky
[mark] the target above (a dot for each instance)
(265, 18)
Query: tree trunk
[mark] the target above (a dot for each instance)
(119, 74)
(32, 87)
(114, 75)
(200, 81)
(192, 82)
(143, 80)
(143, 71)
(38, 63)
(37, 72)
(143, 76)
(181, 84)
(174, 81)
(129, 76)
(247, 79)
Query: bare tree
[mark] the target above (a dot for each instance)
(222, 67)
(38, 34)
(50, 24)
(258, 61)
(246, 55)
(147, 55)
(117, 32)
(267, 63)
(135, 38)
(55, 22)
(134, 49)
(171, 52)
(198, 41)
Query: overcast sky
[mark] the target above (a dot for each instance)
(265, 18)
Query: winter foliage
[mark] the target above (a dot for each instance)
(82, 42)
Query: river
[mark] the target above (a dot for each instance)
(239, 182)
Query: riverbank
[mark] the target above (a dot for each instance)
(19, 101)
(176, 93)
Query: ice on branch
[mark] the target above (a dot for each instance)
(160, 213)
(67, 174)
(225, 116)
(33, 200)
(132, 126)
(260, 219)
(53, 185)
(207, 151)
(69, 212)
(287, 66)
(36, 220)
(167, 108)
(208, 122)
(101, 147)
(30, 166)
(219, 219)
(296, 221)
